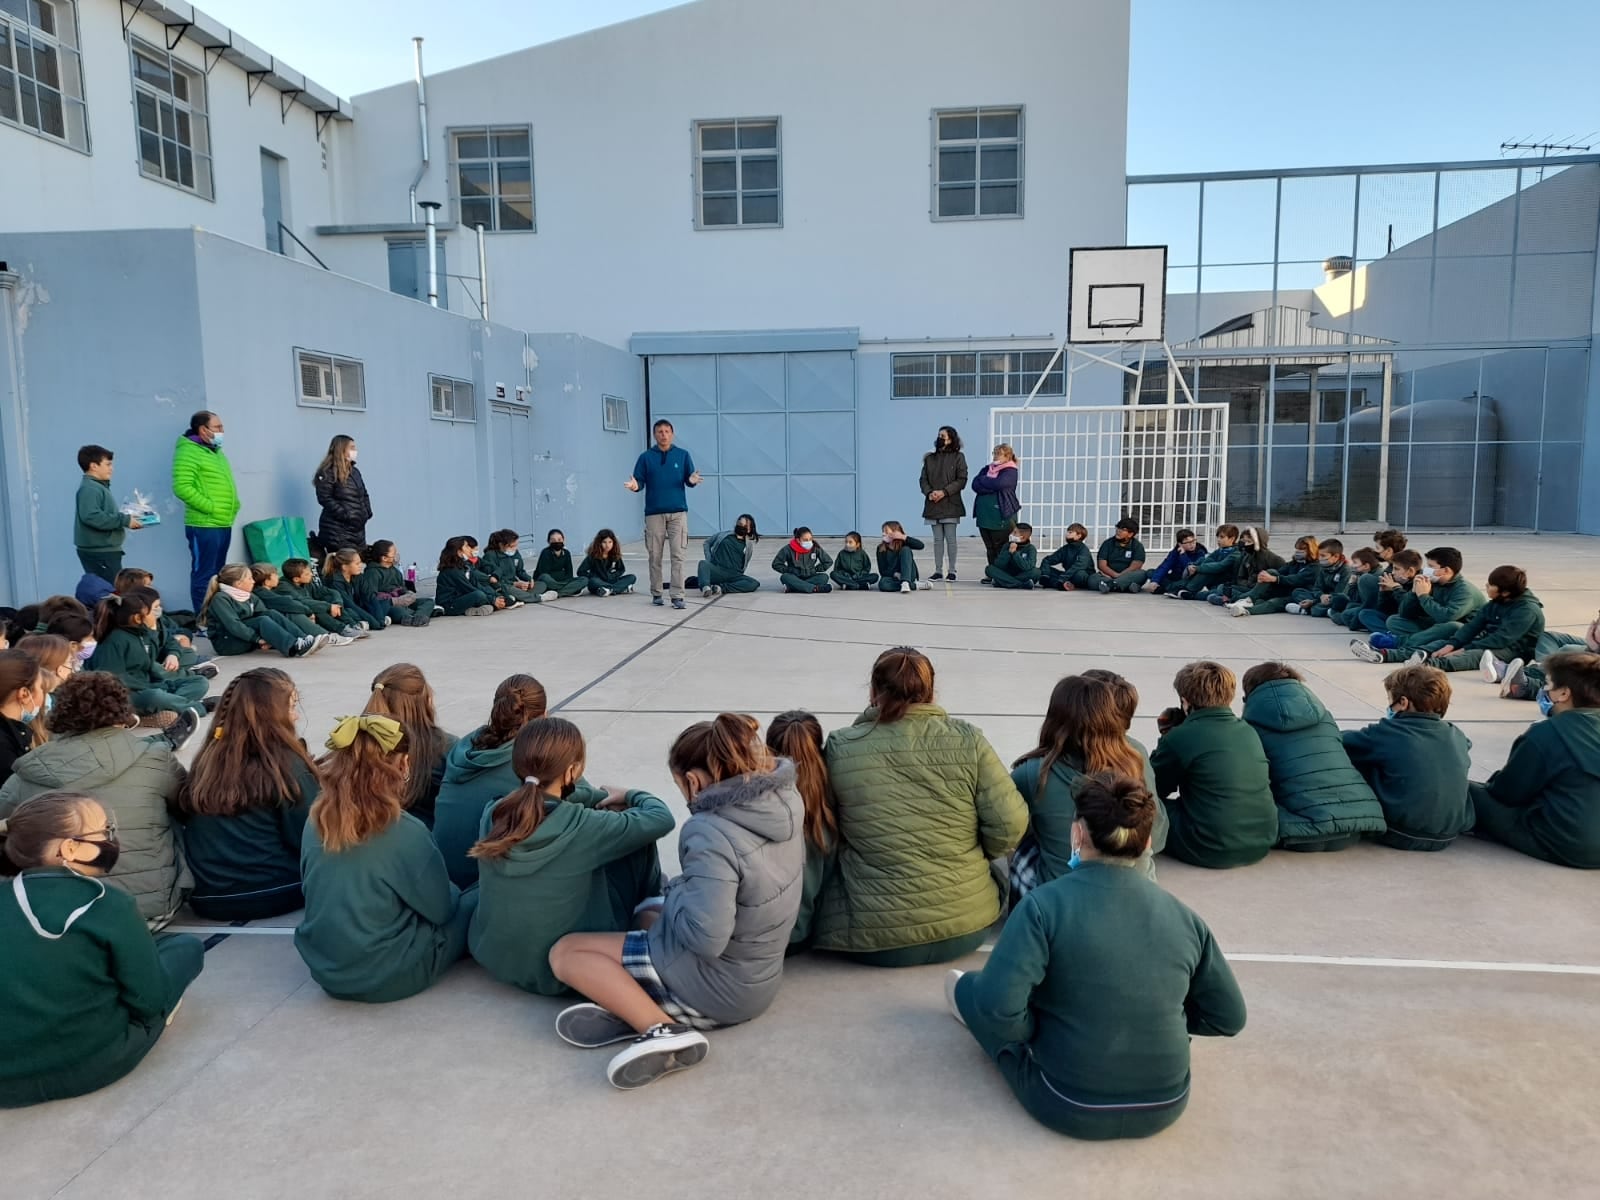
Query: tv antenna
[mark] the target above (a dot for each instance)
(1544, 149)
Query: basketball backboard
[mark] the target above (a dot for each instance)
(1117, 294)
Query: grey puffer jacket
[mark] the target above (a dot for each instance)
(720, 942)
(136, 779)
(944, 471)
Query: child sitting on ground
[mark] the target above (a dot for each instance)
(1186, 552)
(1545, 801)
(603, 567)
(1502, 632)
(174, 642)
(852, 570)
(1120, 563)
(1346, 606)
(553, 572)
(503, 561)
(1213, 768)
(1416, 762)
(1212, 571)
(297, 579)
(797, 736)
(1323, 802)
(461, 591)
(290, 607)
(344, 576)
(1254, 557)
(1522, 679)
(1070, 566)
(127, 647)
(1371, 592)
(1275, 585)
(1392, 586)
(237, 622)
(715, 954)
(897, 566)
(802, 565)
(1433, 611)
(1329, 580)
(1017, 565)
(548, 866)
(725, 560)
(382, 582)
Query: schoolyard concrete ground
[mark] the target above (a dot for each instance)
(1419, 1024)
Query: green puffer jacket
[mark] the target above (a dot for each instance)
(203, 480)
(1320, 795)
(924, 803)
(136, 779)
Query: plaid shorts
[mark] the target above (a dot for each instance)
(636, 962)
(1024, 868)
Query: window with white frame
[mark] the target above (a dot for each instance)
(41, 73)
(169, 102)
(452, 399)
(738, 174)
(977, 170)
(614, 416)
(329, 381)
(989, 373)
(492, 173)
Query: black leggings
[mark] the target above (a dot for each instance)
(994, 541)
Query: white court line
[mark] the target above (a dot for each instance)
(1423, 964)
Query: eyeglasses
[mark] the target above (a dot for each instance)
(109, 833)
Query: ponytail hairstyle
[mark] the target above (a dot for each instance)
(797, 736)
(252, 758)
(263, 571)
(900, 678)
(800, 531)
(53, 653)
(363, 791)
(723, 748)
(450, 556)
(545, 750)
(1084, 725)
(1118, 812)
(402, 692)
(233, 574)
(124, 612)
(377, 551)
(335, 563)
(505, 541)
(36, 824)
(518, 700)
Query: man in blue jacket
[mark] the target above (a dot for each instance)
(663, 473)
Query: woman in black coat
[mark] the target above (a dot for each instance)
(343, 496)
(944, 474)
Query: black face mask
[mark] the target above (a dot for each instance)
(558, 547)
(106, 857)
(741, 533)
(568, 789)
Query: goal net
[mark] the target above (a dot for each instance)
(1164, 464)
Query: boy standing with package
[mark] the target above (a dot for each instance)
(98, 528)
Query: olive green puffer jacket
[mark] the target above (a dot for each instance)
(1320, 795)
(924, 803)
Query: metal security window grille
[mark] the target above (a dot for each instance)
(614, 416)
(452, 399)
(981, 373)
(41, 74)
(169, 101)
(1166, 465)
(328, 381)
(977, 170)
(738, 174)
(493, 178)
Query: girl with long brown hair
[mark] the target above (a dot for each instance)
(402, 692)
(57, 664)
(550, 865)
(382, 920)
(714, 955)
(897, 565)
(924, 805)
(342, 493)
(603, 567)
(1085, 731)
(21, 700)
(797, 736)
(245, 806)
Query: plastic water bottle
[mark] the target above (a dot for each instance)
(411, 573)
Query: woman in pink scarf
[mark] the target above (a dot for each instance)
(996, 507)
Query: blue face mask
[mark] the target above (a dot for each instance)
(1075, 861)
(1388, 714)
(1546, 705)
(216, 441)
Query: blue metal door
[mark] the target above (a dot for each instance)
(774, 435)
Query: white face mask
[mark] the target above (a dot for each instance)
(1430, 572)
(805, 543)
(352, 456)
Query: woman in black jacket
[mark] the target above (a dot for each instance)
(944, 475)
(343, 496)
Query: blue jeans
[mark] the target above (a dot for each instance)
(208, 552)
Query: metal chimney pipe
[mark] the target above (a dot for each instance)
(429, 207)
(422, 123)
(483, 276)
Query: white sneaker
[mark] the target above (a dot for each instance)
(1515, 669)
(1418, 657)
(338, 639)
(951, 978)
(905, 588)
(603, 592)
(318, 642)
(388, 621)
(1492, 669)
(1241, 608)
(546, 597)
(660, 1051)
(706, 593)
(1293, 609)
(1364, 652)
(513, 604)
(924, 586)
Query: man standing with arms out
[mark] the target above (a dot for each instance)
(203, 480)
(98, 528)
(663, 473)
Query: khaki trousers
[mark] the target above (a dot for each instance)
(670, 530)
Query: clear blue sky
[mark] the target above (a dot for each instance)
(1215, 84)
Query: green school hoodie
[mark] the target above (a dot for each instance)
(96, 524)
(1457, 600)
(1509, 626)
(851, 563)
(256, 851)
(507, 568)
(1052, 811)
(348, 594)
(314, 595)
(1552, 778)
(604, 571)
(1106, 1026)
(555, 564)
(128, 656)
(1223, 814)
(70, 1000)
(284, 601)
(1070, 558)
(1119, 556)
(374, 925)
(1019, 560)
(789, 561)
(226, 617)
(1416, 764)
(726, 552)
(552, 883)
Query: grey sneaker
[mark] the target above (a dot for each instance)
(1292, 609)
(677, 602)
(546, 597)
(660, 1051)
(181, 730)
(354, 632)
(1418, 657)
(588, 1026)
(1365, 652)
(1104, 585)
(206, 670)
(657, 601)
(320, 642)
(481, 610)
(1516, 672)
(1492, 669)
(337, 639)
(924, 586)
